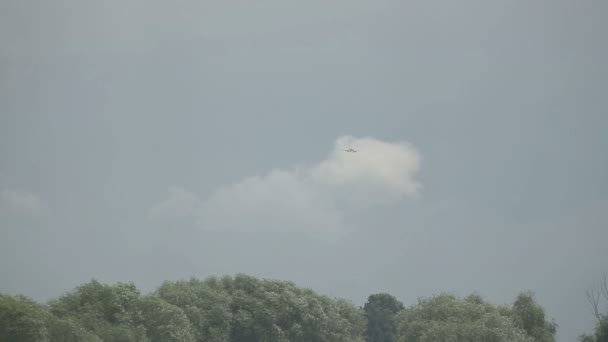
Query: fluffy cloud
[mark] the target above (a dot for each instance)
(378, 172)
(22, 202)
(309, 199)
(391, 165)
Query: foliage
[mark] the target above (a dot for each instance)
(448, 318)
(531, 317)
(109, 311)
(206, 308)
(380, 310)
(242, 308)
(595, 296)
(164, 322)
(22, 320)
(601, 331)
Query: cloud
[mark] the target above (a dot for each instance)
(377, 171)
(22, 202)
(281, 201)
(312, 199)
(180, 204)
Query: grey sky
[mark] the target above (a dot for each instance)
(111, 109)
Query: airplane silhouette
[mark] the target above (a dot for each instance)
(350, 150)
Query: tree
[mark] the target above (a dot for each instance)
(380, 310)
(22, 320)
(207, 308)
(243, 308)
(531, 317)
(601, 329)
(165, 322)
(111, 312)
(600, 333)
(69, 330)
(595, 296)
(271, 310)
(448, 318)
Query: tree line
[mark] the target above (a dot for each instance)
(598, 298)
(243, 308)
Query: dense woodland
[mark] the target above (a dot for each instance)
(242, 308)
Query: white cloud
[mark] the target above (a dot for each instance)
(278, 202)
(309, 199)
(180, 204)
(22, 202)
(378, 170)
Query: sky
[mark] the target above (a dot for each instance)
(148, 140)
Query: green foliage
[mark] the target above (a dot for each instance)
(380, 310)
(247, 309)
(69, 330)
(596, 296)
(206, 307)
(109, 311)
(448, 318)
(165, 322)
(600, 333)
(353, 319)
(601, 330)
(531, 317)
(243, 308)
(22, 320)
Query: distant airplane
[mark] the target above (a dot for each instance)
(350, 150)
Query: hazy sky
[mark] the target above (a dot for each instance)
(147, 140)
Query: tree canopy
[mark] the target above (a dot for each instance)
(242, 308)
(380, 310)
(446, 317)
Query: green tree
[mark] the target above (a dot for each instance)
(206, 307)
(22, 320)
(109, 311)
(165, 322)
(69, 330)
(380, 310)
(595, 296)
(448, 318)
(270, 310)
(531, 317)
(601, 331)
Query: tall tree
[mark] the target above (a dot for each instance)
(530, 316)
(380, 310)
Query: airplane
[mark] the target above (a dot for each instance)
(350, 150)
